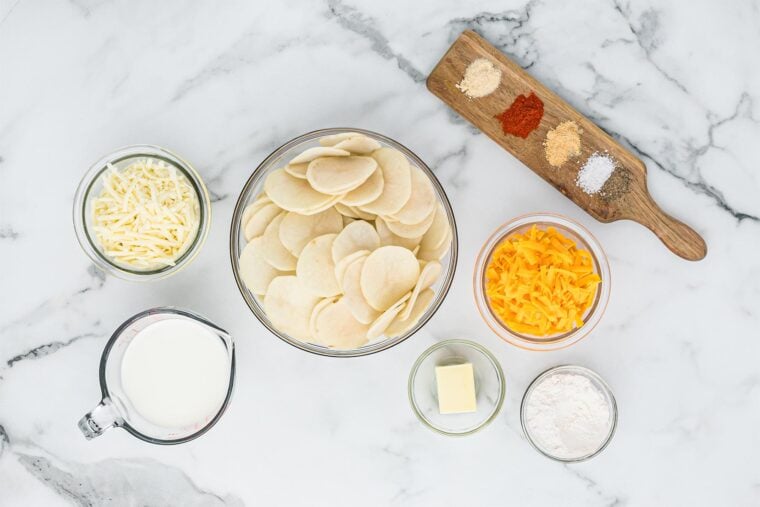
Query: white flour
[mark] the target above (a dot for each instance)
(567, 416)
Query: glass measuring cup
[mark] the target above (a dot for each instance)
(116, 410)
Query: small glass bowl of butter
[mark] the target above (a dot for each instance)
(127, 216)
(456, 387)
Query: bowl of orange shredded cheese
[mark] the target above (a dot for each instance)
(542, 282)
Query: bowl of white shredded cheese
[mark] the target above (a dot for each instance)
(141, 213)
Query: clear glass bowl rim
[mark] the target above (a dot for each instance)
(259, 173)
(81, 198)
(583, 371)
(598, 254)
(466, 343)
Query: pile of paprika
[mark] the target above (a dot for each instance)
(522, 116)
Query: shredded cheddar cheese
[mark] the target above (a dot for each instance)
(540, 283)
(146, 215)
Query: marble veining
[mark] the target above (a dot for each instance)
(224, 85)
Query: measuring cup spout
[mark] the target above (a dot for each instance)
(99, 419)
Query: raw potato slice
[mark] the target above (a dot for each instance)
(388, 238)
(366, 192)
(334, 139)
(428, 276)
(359, 144)
(324, 303)
(310, 154)
(338, 175)
(421, 202)
(410, 231)
(439, 229)
(352, 293)
(378, 327)
(397, 182)
(319, 209)
(297, 170)
(336, 327)
(296, 230)
(345, 262)
(289, 305)
(351, 212)
(255, 271)
(274, 251)
(388, 273)
(252, 208)
(399, 327)
(259, 221)
(359, 235)
(439, 252)
(315, 267)
(294, 194)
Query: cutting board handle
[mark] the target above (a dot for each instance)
(680, 239)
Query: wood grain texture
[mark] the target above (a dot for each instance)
(636, 204)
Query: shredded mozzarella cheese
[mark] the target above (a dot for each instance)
(147, 214)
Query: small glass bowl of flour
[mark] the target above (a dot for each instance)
(569, 414)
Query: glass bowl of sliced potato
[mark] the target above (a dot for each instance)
(343, 242)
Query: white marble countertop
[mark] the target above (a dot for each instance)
(224, 84)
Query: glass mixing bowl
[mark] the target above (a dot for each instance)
(584, 240)
(255, 185)
(90, 188)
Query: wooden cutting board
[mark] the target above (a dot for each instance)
(634, 203)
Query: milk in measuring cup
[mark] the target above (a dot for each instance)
(176, 373)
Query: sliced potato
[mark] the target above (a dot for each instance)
(428, 276)
(342, 265)
(339, 175)
(297, 170)
(252, 208)
(319, 209)
(257, 224)
(352, 293)
(352, 212)
(289, 304)
(334, 139)
(310, 154)
(296, 230)
(439, 252)
(439, 229)
(380, 324)
(294, 194)
(315, 267)
(410, 231)
(356, 236)
(347, 220)
(275, 252)
(388, 273)
(421, 202)
(323, 303)
(359, 144)
(336, 327)
(255, 271)
(399, 327)
(397, 183)
(366, 192)
(387, 237)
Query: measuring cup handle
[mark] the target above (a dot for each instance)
(99, 419)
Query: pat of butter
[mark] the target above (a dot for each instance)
(456, 388)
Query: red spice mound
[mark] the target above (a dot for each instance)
(523, 116)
